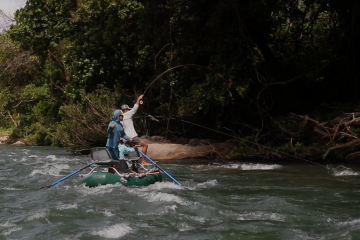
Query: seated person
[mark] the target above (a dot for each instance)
(123, 149)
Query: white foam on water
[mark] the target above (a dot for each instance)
(7, 224)
(350, 223)
(258, 166)
(163, 211)
(255, 216)
(107, 213)
(11, 230)
(346, 173)
(28, 158)
(51, 157)
(207, 184)
(50, 169)
(343, 171)
(37, 215)
(24, 159)
(67, 206)
(196, 218)
(299, 234)
(115, 231)
(99, 190)
(163, 197)
(54, 158)
(205, 167)
(163, 185)
(26, 151)
(184, 227)
(11, 189)
(13, 159)
(243, 166)
(232, 166)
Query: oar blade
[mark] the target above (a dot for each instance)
(66, 177)
(162, 170)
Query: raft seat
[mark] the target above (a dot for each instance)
(135, 158)
(102, 157)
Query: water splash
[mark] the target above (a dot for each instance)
(343, 171)
(161, 212)
(115, 231)
(11, 230)
(257, 166)
(50, 169)
(163, 185)
(107, 213)
(243, 166)
(37, 215)
(100, 190)
(67, 206)
(11, 189)
(351, 223)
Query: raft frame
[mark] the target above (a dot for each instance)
(103, 160)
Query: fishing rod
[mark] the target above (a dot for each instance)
(170, 69)
(235, 137)
(238, 138)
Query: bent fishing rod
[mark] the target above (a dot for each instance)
(238, 138)
(173, 68)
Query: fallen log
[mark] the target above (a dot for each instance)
(348, 144)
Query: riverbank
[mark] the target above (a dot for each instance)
(160, 149)
(5, 139)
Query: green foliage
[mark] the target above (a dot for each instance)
(84, 125)
(245, 65)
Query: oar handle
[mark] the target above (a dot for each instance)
(162, 170)
(66, 177)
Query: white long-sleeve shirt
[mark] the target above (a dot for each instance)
(128, 123)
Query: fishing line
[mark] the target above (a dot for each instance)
(170, 69)
(237, 138)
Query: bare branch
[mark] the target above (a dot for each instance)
(348, 144)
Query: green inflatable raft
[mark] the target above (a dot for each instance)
(123, 174)
(102, 178)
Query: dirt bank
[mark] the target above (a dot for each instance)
(170, 151)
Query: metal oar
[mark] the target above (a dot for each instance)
(66, 177)
(162, 170)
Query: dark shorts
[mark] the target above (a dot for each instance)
(135, 141)
(114, 152)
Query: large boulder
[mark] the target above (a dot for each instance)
(4, 138)
(170, 151)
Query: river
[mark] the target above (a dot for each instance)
(217, 200)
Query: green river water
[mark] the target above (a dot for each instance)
(217, 200)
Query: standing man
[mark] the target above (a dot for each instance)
(129, 127)
(115, 131)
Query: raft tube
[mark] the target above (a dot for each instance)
(102, 178)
